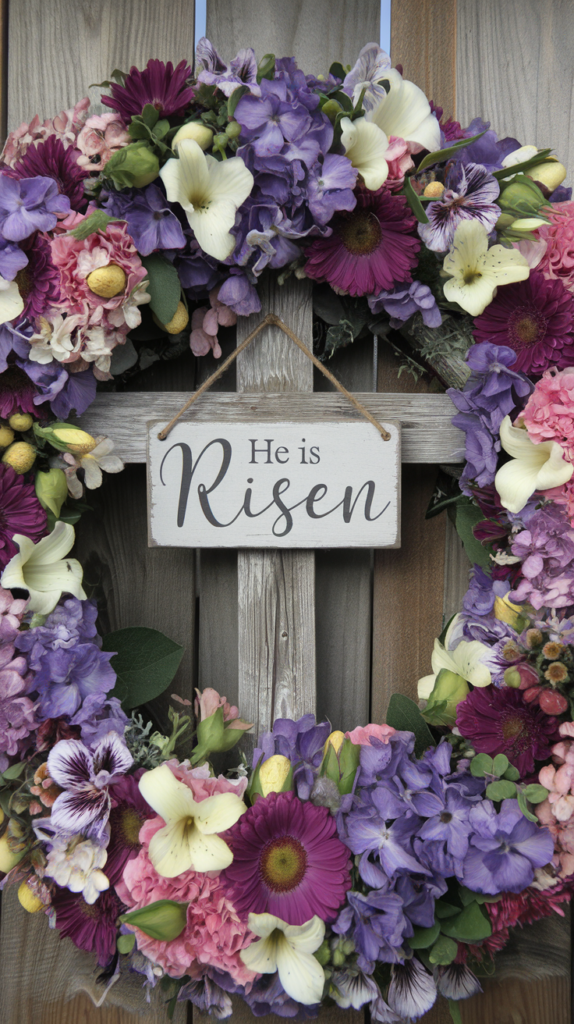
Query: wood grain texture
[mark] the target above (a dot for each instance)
(423, 40)
(317, 32)
(456, 570)
(519, 1002)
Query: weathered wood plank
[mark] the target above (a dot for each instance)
(423, 40)
(427, 432)
(519, 1002)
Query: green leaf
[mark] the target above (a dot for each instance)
(424, 937)
(327, 305)
(235, 97)
(266, 67)
(414, 202)
(511, 773)
(444, 910)
(126, 943)
(471, 925)
(481, 765)
(525, 165)
(443, 951)
(524, 807)
(97, 221)
(163, 920)
(162, 128)
(337, 70)
(454, 1007)
(465, 515)
(150, 115)
(441, 155)
(14, 771)
(338, 336)
(403, 714)
(534, 793)
(164, 286)
(468, 896)
(500, 765)
(123, 357)
(145, 663)
(501, 790)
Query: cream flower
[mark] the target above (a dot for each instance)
(92, 463)
(476, 271)
(189, 840)
(288, 949)
(405, 112)
(53, 338)
(365, 145)
(11, 302)
(43, 570)
(210, 191)
(76, 864)
(533, 467)
(466, 660)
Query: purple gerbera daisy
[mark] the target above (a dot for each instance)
(535, 318)
(17, 393)
(474, 199)
(161, 85)
(499, 721)
(20, 512)
(288, 860)
(39, 281)
(371, 249)
(90, 926)
(52, 159)
(128, 813)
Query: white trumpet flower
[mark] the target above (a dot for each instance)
(467, 660)
(288, 949)
(365, 145)
(43, 570)
(11, 302)
(405, 113)
(533, 467)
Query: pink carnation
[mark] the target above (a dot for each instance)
(101, 137)
(362, 735)
(399, 160)
(558, 260)
(64, 126)
(549, 412)
(202, 783)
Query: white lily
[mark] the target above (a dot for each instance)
(476, 271)
(11, 302)
(288, 949)
(405, 113)
(210, 191)
(466, 660)
(189, 840)
(533, 467)
(43, 570)
(365, 145)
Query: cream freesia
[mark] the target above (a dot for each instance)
(11, 302)
(467, 661)
(288, 949)
(189, 839)
(533, 467)
(210, 191)
(405, 112)
(365, 145)
(475, 271)
(43, 570)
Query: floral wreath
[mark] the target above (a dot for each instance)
(378, 867)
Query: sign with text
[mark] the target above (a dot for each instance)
(274, 485)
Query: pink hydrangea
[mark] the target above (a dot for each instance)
(11, 615)
(101, 137)
(17, 718)
(399, 160)
(65, 126)
(558, 259)
(563, 835)
(205, 324)
(549, 412)
(363, 735)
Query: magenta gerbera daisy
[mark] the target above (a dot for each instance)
(17, 393)
(39, 281)
(499, 721)
(535, 318)
(287, 861)
(20, 512)
(162, 85)
(371, 249)
(90, 926)
(52, 159)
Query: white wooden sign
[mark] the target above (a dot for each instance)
(274, 485)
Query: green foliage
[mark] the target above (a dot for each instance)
(501, 790)
(464, 514)
(404, 715)
(163, 920)
(470, 925)
(414, 202)
(126, 943)
(145, 662)
(424, 937)
(440, 155)
(524, 166)
(444, 951)
(164, 286)
(97, 221)
(266, 67)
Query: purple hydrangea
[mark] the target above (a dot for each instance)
(12, 259)
(546, 550)
(302, 742)
(17, 713)
(149, 216)
(505, 849)
(99, 715)
(29, 205)
(404, 301)
(376, 922)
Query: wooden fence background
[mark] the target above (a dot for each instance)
(376, 616)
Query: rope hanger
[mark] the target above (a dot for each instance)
(272, 320)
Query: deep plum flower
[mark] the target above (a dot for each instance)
(474, 198)
(371, 249)
(535, 318)
(159, 84)
(17, 393)
(86, 777)
(28, 205)
(129, 812)
(287, 860)
(20, 512)
(505, 849)
(404, 301)
(150, 218)
(90, 926)
(38, 282)
(52, 159)
(499, 721)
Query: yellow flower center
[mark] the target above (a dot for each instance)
(283, 863)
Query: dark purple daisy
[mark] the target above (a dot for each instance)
(474, 199)
(20, 512)
(535, 318)
(128, 813)
(499, 721)
(51, 159)
(161, 85)
(39, 281)
(90, 926)
(17, 393)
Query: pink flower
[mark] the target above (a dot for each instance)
(208, 701)
(101, 137)
(563, 834)
(558, 260)
(17, 719)
(205, 324)
(567, 729)
(77, 259)
(11, 615)
(201, 781)
(64, 126)
(549, 412)
(559, 783)
(399, 160)
(362, 735)
(214, 934)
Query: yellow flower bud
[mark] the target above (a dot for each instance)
(434, 189)
(506, 611)
(335, 740)
(551, 175)
(178, 322)
(28, 899)
(6, 436)
(107, 281)
(8, 858)
(21, 421)
(51, 489)
(2, 816)
(200, 133)
(72, 439)
(273, 774)
(20, 455)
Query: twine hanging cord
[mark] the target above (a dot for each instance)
(272, 320)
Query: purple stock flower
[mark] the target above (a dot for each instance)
(242, 69)
(270, 120)
(331, 187)
(404, 301)
(99, 715)
(12, 341)
(376, 923)
(197, 271)
(150, 218)
(67, 676)
(239, 294)
(72, 621)
(546, 550)
(489, 151)
(267, 995)
(505, 849)
(29, 205)
(85, 777)
(302, 742)
(482, 593)
(474, 199)
(64, 391)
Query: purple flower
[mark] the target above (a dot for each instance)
(64, 391)
(412, 990)
(239, 294)
(546, 550)
(270, 120)
(90, 926)
(97, 716)
(17, 393)
(29, 205)
(159, 84)
(451, 826)
(39, 281)
(17, 718)
(267, 995)
(150, 218)
(50, 158)
(302, 742)
(67, 677)
(12, 259)
(198, 272)
(376, 923)
(404, 301)
(505, 849)
(489, 151)
(367, 72)
(499, 721)
(331, 187)
(242, 69)
(474, 199)
(85, 777)
(207, 996)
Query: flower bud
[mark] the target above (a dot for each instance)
(107, 281)
(276, 775)
(20, 455)
(448, 692)
(28, 899)
(21, 421)
(8, 857)
(163, 920)
(233, 130)
(134, 166)
(67, 438)
(178, 322)
(512, 677)
(335, 740)
(521, 197)
(552, 702)
(51, 489)
(323, 954)
(220, 141)
(434, 189)
(6, 436)
(331, 108)
(506, 611)
(551, 175)
(200, 133)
